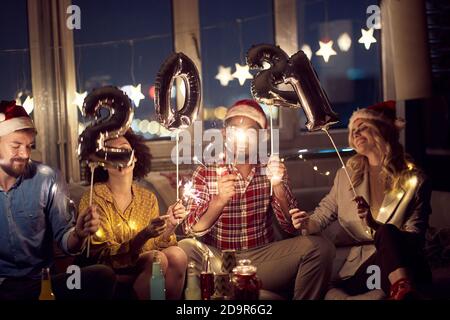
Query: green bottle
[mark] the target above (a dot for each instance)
(157, 282)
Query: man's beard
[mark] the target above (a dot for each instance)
(16, 167)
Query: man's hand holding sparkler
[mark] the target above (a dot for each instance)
(225, 184)
(275, 170)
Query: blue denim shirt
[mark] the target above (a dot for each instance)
(33, 213)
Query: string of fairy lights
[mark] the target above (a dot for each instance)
(302, 155)
(314, 167)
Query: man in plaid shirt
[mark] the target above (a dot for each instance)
(232, 209)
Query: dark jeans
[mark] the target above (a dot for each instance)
(97, 282)
(395, 249)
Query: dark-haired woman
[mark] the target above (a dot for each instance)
(131, 230)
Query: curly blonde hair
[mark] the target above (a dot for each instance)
(395, 164)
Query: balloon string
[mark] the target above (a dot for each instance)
(342, 161)
(271, 129)
(271, 141)
(91, 193)
(177, 164)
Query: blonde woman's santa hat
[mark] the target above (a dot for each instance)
(13, 118)
(383, 112)
(250, 109)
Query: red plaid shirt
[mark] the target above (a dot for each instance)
(246, 221)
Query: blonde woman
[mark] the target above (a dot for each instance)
(131, 231)
(388, 219)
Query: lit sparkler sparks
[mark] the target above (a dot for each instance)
(189, 192)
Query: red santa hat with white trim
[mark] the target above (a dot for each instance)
(13, 118)
(383, 112)
(250, 109)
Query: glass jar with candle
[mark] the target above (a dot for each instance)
(245, 282)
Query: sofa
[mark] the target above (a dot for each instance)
(437, 247)
(163, 185)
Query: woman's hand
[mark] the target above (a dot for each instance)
(300, 220)
(156, 227)
(87, 223)
(365, 213)
(175, 214)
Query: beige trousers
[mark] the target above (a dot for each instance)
(298, 268)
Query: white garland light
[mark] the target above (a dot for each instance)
(28, 105)
(242, 73)
(307, 50)
(344, 42)
(224, 75)
(326, 50)
(134, 93)
(367, 38)
(79, 100)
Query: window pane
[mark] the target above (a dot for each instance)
(15, 53)
(123, 43)
(352, 77)
(228, 29)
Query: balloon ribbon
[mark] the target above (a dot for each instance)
(340, 158)
(178, 173)
(92, 166)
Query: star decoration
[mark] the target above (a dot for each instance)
(28, 105)
(344, 42)
(326, 50)
(18, 98)
(367, 38)
(307, 50)
(79, 100)
(242, 73)
(224, 75)
(81, 128)
(134, 93)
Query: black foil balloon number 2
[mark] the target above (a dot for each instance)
(299, 73)
(177, 65)
(91, 142)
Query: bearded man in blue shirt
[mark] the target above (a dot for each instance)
(35, 212)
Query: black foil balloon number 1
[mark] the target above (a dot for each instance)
(91, 142)
(299, 73)
(177, 65)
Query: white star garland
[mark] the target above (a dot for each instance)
(307, 50)
(79, 100)
(326, 50)
(28, 105)
(367, 38)
(134, 93)
(224, 75)
(344, 42)
(242, 73)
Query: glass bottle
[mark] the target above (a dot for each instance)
(157, 281)
(46, 286)
(192, 291)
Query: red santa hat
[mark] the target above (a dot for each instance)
(250, 109)
(383, 112)
(13, 118)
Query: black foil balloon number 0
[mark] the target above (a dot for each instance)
(299, 73)
(91, 142)
(177, 65)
